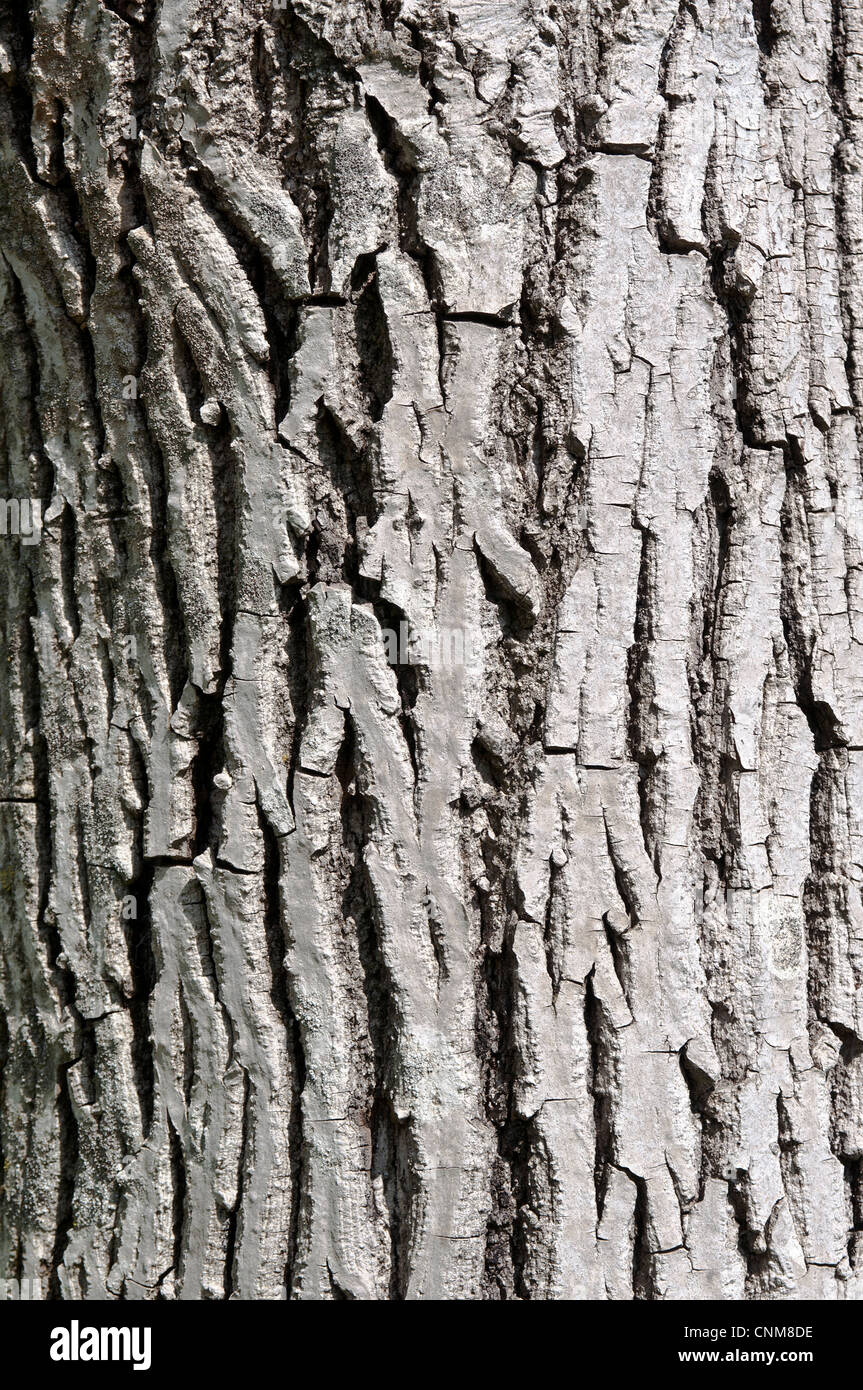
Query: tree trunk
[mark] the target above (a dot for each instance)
(431, 758)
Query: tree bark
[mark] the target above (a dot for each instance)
(431, 762)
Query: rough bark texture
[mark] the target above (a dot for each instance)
(521, 957)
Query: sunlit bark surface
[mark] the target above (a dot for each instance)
(431, 710)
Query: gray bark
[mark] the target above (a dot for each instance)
(431, 713)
